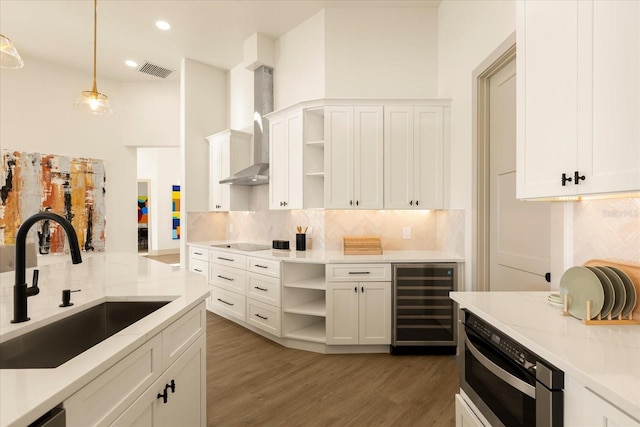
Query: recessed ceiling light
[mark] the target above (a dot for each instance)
(163, 25)
(130, 63)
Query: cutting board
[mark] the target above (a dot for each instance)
(361, 245)
(631, 269)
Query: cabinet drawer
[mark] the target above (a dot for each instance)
(231, 279)
(263, 266)
(228, 303)
(182, 333)
(229, 259)
(264, 316)
(358, 272)
(198, 253)
(198, 266)
(263, 288)
(103, 399)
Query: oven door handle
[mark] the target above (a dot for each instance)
(514, 382)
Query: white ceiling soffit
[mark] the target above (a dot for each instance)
(209, 31)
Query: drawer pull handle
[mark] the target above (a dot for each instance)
(198, 270)
(163, 396)
(226, 259)
(261, 289)
(223, 301)
(260, 266)
(225, 278)
(198, 253)
(172, 386)
(359, 272)
(262, 317)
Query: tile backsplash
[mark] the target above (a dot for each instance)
(606, 229)
(430, 230)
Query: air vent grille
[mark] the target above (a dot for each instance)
(155, 70)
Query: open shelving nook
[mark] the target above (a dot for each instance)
(314, 157)
(304, 301)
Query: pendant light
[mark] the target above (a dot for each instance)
(93, 101)
(9, 56)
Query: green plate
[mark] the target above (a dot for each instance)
(582, 285)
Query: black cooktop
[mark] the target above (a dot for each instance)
(247, 247)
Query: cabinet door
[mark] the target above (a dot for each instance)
(398, 157)
(428, 158)
(599, 412)
(547, 96)
(278, 163)
(218, 169)
(610, 160)
(295, 161)
(185, 405)
(342, 313)
(368, 152)
(338, 158)
(374, 313)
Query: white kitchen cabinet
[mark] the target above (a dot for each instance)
(578, 96)
(177, 398)
(414, 157)
(358, 304)
(229, 152)
(228, 281)
(600, 413)
(353, 157)
(199, 260)
(177, 353)
(286, 161)
(304, 301)
(465, 417)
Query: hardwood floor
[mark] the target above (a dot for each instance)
(252, 381)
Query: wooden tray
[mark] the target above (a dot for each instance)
(361, 245)
(632, 270)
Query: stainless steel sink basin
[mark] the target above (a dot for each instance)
(52, 345)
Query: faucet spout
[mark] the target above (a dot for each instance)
(20, 289)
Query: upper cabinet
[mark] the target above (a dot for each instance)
(285, 160)
(354, 157)
(414, 157)
(578, 98)
(229, 152)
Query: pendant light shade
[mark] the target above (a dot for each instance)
(93, 101)
(9, 56)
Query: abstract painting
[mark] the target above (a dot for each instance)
(143, 210)
(72, 187)
(175, 215)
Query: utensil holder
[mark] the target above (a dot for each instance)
(301, 242)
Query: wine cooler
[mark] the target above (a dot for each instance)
(424, 317)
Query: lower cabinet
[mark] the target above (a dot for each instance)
(598, 412)
(465, 417)
(131, 392)
(177, 398)
(359, 313)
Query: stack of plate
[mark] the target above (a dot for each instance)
(609, 289)
(556, 300)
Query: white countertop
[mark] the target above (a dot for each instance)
(605, 359)
(25, 394)
(315, 256)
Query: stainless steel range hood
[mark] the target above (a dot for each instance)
(258, 172)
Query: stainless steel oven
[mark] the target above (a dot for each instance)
(510, 385)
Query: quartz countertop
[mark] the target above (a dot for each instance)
(606, 359)
(26, 394)
(319, 256)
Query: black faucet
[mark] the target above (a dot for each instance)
(20, 289)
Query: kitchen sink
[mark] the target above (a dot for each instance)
(52, 345)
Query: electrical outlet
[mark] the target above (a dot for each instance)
(230, 228)
(406, 233)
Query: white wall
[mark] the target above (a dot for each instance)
(468, 31)
(381, 53)
(161, 167)
(37, 115)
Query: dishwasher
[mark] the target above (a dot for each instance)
(424, 317)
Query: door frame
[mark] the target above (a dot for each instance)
(561, 229)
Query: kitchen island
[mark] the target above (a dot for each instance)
(601, 363)
(26, 394)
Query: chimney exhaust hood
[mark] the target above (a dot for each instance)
(258, 173)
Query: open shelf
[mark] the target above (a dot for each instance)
(310, 308)
(316, 332)
(318, 283)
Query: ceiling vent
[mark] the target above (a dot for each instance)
(155, 70)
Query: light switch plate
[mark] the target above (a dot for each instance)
(406, 233)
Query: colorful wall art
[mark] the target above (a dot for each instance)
(143, 210)
(175, 202)
(72, 187)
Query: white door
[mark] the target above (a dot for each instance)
(338, 163)
(368, 173)
(342, 313)
(278, 164)
(374, 312)
(398, 157)
(519, 230)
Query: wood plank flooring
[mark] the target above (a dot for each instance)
(252, 381)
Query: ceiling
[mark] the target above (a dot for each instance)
(209, 31)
